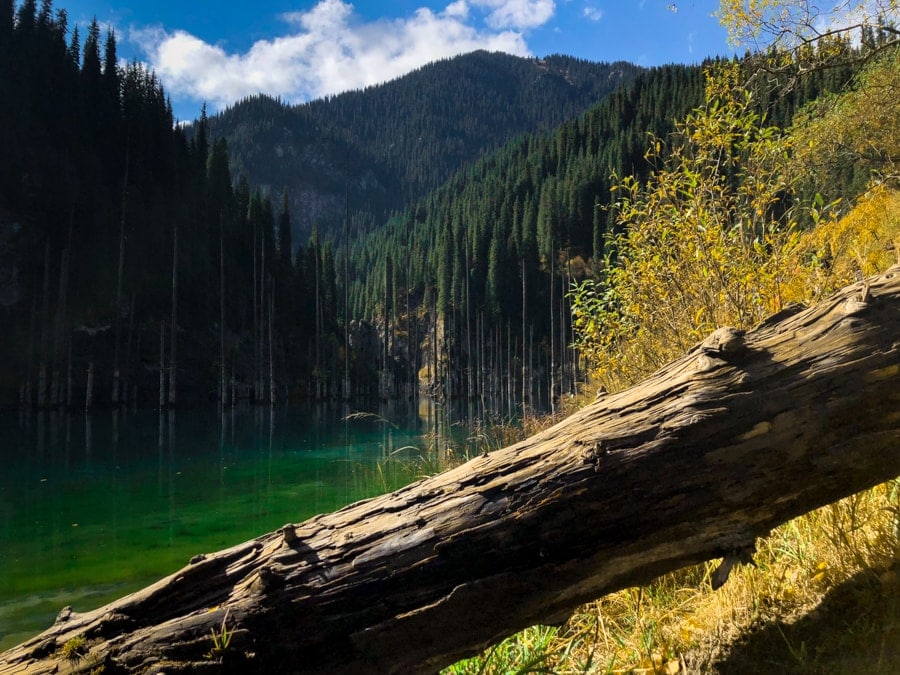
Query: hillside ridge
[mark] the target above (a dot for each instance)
(378, 149)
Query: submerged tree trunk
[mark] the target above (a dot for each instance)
(173, 325)
(27, 399)
(273, 397)
(552, 374)
(42, 396)
(525, 383)
(125, 381)
(59, 331)
(116, 387)
(89, 387)
(162, 365)
(223, 388)
(257, 350)
(383, 385)
(741, 434)
(261, 325)
(318, 375)
(69, 383)
(115, 396)
(345, 389)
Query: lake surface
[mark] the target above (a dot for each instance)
(94, 507)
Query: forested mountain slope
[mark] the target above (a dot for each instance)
(141, 263)
(492, 253)
(378, 149)
(132, 265)
(135, 262)
(489, 255)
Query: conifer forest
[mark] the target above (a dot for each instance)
(417, 238)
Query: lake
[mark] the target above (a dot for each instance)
(94, 507)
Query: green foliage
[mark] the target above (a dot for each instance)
(99, 154)
(74, 648)
(530, 651)
(851, 136)
(702, 244)
(714, 237)
(221, 640)
(389, 145)
(91, 150)
(524, 222)
(494, 234)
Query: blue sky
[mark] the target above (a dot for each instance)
(220, 52)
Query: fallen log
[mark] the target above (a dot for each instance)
(741, 434)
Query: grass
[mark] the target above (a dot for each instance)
(443, 450)
(221, 640)
(74, 648)
(824, 597)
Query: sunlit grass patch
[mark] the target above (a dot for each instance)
(823, 597)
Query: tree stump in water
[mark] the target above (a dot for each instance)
(741, 434)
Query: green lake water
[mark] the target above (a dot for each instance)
(92, 508)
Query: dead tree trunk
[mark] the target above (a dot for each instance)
(173, 339)
(741, 434)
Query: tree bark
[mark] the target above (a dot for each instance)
(741, 434)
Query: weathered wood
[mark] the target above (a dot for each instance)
(738, 436)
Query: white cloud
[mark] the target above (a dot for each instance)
(516, 14)
(593, 13)
(458, 9)
(328, 49)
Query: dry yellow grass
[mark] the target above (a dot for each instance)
(824, 596)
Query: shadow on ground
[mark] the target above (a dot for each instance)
(855, 629)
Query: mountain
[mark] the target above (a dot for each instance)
(138, 262)
(135, 263)
(376, 150)
(488, 258)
